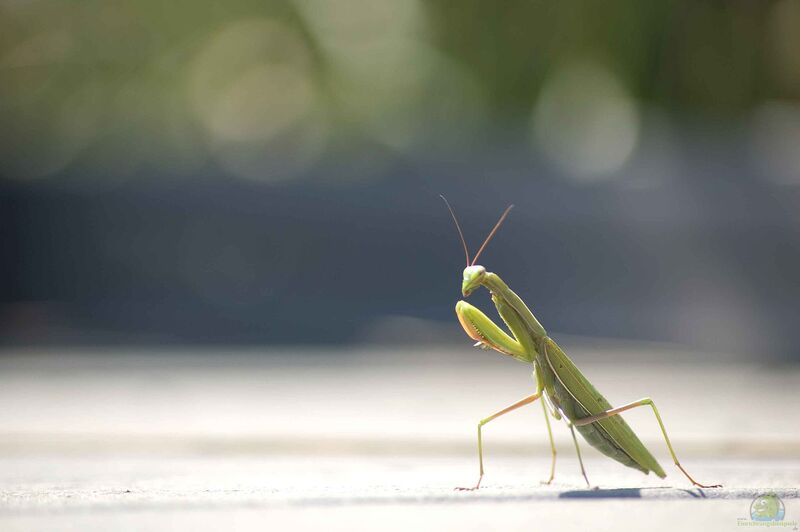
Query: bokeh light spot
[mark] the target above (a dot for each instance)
(253, 91)
(585, 122)
(775, 141)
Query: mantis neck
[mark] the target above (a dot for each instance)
(496, 286)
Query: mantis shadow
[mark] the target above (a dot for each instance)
(613, 493)
(619, 493)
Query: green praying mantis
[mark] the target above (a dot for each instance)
(565, 391)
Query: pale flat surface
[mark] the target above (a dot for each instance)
(375, 439)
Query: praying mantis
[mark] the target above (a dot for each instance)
(565, 391)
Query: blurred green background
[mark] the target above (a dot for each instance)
(268, 172)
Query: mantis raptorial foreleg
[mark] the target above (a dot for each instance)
(482, 329)
(482, 422)
(644, 402)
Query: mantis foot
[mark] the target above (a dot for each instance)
(693, 481)
(474, 488)
(709, 486)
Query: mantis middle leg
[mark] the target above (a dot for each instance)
(482, 422)
(482, 329)
(552, 445)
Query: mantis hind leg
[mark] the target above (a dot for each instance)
(578, 450)
(645, 402)
(482, 422)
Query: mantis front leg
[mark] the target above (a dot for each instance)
(480, 328)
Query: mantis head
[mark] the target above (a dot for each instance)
(473, 276)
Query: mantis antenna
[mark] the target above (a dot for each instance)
(488, 238)
(453, 214)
